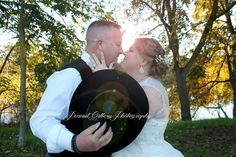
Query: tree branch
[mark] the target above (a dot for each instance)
(194, 113)
(6, 107)
(148, 5)
(221, 108)
(229, 22)
(203, 37)
(160, 15)
(6, 59)
(230, 6)
(10, 2)
(61, 18)
(214, 82)
(153, 29)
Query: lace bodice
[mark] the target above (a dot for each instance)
(163, 114)
(155, 126)
(150, 142)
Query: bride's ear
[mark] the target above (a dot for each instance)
(144, 62)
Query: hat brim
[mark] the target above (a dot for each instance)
(113, 97)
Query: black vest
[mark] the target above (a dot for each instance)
(84, 71)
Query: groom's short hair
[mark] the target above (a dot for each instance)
(100, 23)
(103, 23)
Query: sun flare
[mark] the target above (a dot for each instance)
(130, 32)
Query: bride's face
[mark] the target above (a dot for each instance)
(131, 60)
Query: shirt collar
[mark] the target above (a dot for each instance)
(85, 57)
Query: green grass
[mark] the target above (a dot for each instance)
(8, 144)
(204, 138)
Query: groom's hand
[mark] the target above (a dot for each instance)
(92, 138)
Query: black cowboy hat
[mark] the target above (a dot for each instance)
(114, 97)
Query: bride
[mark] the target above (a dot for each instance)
(144, 62)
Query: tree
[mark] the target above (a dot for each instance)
(21, 27)
(10, 84)
(174, 18)
(221, 42)
(35, 23)
(231, 55)
(208, 81)
(9, 95)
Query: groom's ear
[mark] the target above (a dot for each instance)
(99, 44)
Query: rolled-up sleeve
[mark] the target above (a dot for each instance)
(45, 123)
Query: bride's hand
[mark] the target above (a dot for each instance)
(96, 64)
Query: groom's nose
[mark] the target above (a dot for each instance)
(125, 53)
(121, 50)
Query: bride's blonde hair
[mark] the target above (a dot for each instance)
(153, 52)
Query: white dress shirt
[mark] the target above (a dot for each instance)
(45, 123)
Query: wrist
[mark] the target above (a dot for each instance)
(74, 145)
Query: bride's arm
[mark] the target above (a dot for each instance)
(96, 64)
(154, 100)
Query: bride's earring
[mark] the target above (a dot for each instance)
(141, 70)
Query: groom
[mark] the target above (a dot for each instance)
(101, 36)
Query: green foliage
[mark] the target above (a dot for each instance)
(51, 42)
(4, 83)
(209, 84)
(9, 86)
(183, 22)
(204, 83)
(197, 72)
(202, 9)
(50, 26)
(207, 81)
(136, 3)
(233, 74)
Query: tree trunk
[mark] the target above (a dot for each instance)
(0, 119)
(183, 95)
(233, 84)
(180, 76)
(232, 74)
(22, 114)
(234, 99)
(232, 61)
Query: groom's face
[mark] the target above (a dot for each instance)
(111, 45)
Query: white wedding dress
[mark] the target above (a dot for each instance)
(150, 142)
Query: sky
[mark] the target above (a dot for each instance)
(5, 39)
(204, 113)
